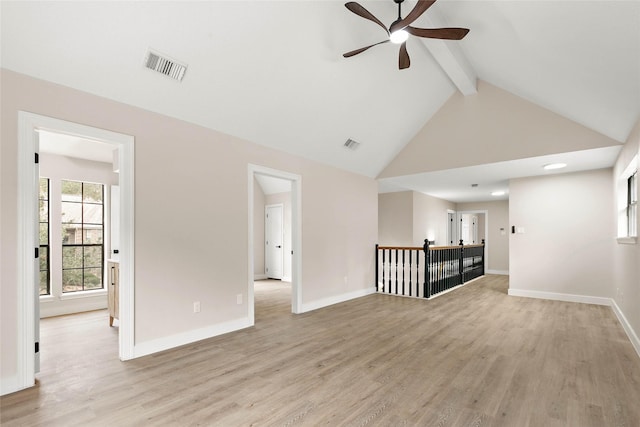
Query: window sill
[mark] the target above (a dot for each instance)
(83, 294)
(627, 240)
(47, 298)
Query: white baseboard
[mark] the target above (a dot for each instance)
(286, 279)
(260, 277)
(189, 337)
(325, 302)
(633, 337)
(560, 297)
(500, 272)
(60, 308)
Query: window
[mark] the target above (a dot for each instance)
(82, 236)
(627, 196)
(632, 204)
(45, 265)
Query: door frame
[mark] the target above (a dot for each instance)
(28, 125)
(266, 207)
(296, 236)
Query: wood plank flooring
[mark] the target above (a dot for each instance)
(473, 357)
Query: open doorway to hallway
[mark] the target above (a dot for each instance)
(274, 240)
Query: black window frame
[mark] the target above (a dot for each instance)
(632, 204)
(45, 249)
(83, 245)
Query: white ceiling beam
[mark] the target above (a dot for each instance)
(449, 55)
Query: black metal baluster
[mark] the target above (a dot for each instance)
(410, 271)
(389, 291)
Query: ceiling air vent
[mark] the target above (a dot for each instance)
(164, 65)
(351, 144)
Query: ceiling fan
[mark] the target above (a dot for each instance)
(400, 29)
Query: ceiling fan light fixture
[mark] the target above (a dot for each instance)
(399, 36)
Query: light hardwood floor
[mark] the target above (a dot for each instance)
(473, 357)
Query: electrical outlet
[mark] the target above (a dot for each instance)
(239, 299)
(196, 307)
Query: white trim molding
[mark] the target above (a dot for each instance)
(260, 277)
(336, 299)
(633, 337)
(176, 340)
(584, 299)
(28, 126)
(498, 272)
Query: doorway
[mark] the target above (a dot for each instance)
(292, 253)
(29, 126)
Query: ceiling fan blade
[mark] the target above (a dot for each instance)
(403, 59)
(361, 11)
(439, 33)
(420, 8)
(362, 49)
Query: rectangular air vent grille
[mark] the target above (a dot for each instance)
(351, 144)
(168, 67)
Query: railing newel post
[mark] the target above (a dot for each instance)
(461, 262)
(377, 266)
(427, 261)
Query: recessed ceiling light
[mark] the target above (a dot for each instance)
(552, 166)
(498, 193)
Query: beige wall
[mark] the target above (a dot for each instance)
(569, 233)
(501, 127)
(430, 219)
(498, 237)
(191, 207)
(626, 267)
(395, 219)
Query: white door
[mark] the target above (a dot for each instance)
(451, 229)
(468, 229)
(273, 238)
(36, 244)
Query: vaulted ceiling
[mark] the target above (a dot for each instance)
(272, 72)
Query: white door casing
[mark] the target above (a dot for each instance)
(274, 241)
(36, 275)
(27, 297)
(296, 236)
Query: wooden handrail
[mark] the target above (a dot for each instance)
(435, 248)
(407, 248)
